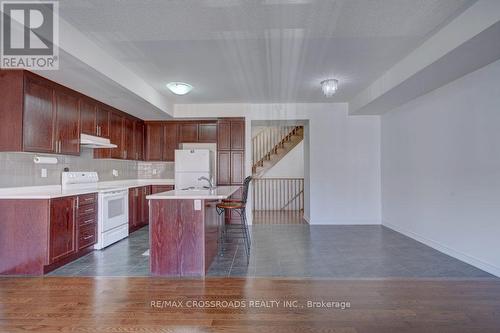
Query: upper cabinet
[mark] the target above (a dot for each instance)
(38, 127)
(116, 135)
(67, 122)
(103, 121)
(171, 142)
(207, 132)
(154, 141)
(188, 132)
(139, 140)
(88, 116)
(231, 134)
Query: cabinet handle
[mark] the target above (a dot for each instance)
(88, 237)
(89, 210)
(87, 221)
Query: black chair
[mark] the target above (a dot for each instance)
(239, 230)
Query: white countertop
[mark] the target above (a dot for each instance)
(56, 191)
(221, 192)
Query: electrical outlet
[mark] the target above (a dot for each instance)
(43, 173)
(155, 171)
(115, 173)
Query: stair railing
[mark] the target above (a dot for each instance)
(278, 194)
(268, 141)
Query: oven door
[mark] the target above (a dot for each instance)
(115, 210)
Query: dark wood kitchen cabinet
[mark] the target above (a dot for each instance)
(231, 156)
(139, 140)
(38, 115)
(40, 235)
(103, 121)
(138, 207)
(116, 134)
(128, 151)
(237, 134)
(62, 241)
(161, 141)
(207, 132)
(231, 151)
(38, 128)
(88, 116)
(154, 138)
(161, 188)
(224, 167)
(188, 132)
(237, 167)
(67, 122)
(171, 142)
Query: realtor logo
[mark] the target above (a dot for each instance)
(29, 32)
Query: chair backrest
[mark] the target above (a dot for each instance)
(246, 185)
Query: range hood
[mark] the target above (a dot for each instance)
(91, 141)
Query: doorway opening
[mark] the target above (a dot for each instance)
(278, 168)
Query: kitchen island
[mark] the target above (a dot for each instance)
(184, 230)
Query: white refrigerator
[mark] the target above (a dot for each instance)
(190, 165)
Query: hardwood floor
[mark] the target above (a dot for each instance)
(57, 304)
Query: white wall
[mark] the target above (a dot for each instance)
(290, 166)
(343, 153)
(441, 168)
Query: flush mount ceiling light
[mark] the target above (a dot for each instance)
(329, 87)
(179, 88)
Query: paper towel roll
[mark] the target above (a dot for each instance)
(44, 160)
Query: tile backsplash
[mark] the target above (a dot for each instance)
(18, 169)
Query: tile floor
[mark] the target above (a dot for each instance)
(295, 251)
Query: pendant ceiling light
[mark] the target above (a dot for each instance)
(179, 88)
(329, 87)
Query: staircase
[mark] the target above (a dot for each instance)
(271, 144)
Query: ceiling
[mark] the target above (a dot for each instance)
(261, 51)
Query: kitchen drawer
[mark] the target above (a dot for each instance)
(87, 210)
(87, 220)
(87, 236)
(87, 199)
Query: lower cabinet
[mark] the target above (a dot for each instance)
(62, 241)
(161, 188)
(72, 225)
(138, 208)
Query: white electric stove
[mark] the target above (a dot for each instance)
(112, 221)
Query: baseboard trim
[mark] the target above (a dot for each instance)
(344, 222)
(487, 267)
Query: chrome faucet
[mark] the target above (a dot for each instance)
(210, 182)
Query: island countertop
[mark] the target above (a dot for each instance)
(220, 192)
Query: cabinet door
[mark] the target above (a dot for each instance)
(154, 141)
(238, 134)
(62, 228)
(224, 167)
(139, 140)
(132, 209)
(116, 134)
(67, 123)
(143, 204)
(171, 141)
(224, 135)
(103, 121)
(129, 152)
(237, 167)
(188, 132)
(207, 133)
(39, 116)
(88, 117)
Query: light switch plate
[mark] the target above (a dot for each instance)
(43, 173)
(197, 205)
